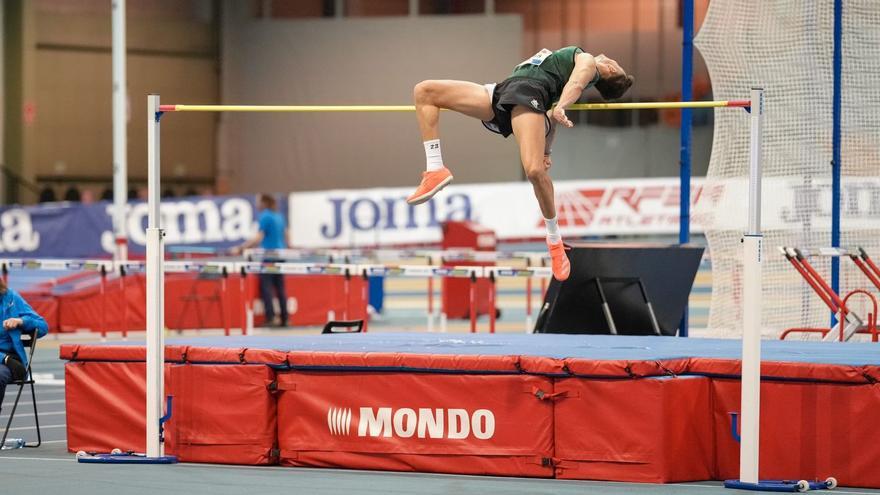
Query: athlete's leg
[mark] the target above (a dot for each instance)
(464, 97)
(528, 127)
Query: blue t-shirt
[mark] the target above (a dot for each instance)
(272, 226)
(12, 305)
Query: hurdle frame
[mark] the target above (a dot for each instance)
(752, 255)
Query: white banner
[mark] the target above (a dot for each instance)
(373, 217)
(377, 217)
(791, 203)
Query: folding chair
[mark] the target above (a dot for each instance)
(356, 325)
(29, 341)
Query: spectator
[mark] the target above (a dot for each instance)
(47, 195)
(272, 234)
(88, 196)
(72, 194)
(17, 317)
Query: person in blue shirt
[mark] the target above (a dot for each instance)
(272, 234)
(18, 317)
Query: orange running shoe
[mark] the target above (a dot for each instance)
(432, 183)
(561, 265)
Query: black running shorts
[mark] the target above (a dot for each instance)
(516, 91)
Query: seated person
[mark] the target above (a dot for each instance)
(18, 317)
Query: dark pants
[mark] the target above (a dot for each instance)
(5, 378)
(268, 284)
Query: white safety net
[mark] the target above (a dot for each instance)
(786, 47)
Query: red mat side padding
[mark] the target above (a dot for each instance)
(223, 413)
(807, 431)
(654, 430)
(622, 368)
(77, 352)
(468, 424)
(106, 405)
(799, 371)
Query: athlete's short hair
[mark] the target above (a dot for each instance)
(615, 86)
(267, 201)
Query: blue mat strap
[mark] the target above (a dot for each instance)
(125, 459)
(165, 418)
(734, 425)
(776, 485)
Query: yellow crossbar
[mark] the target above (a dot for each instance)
(410, 108)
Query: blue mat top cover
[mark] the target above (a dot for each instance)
(591, 347)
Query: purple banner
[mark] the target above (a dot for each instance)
(74, 230)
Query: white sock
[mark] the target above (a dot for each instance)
(432, 155)
(553, 235)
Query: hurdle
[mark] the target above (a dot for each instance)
(752, 257)
(393, 258)
(103, 268)
(849, 323)
(861, 259)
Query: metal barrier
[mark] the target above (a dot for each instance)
(245, 269)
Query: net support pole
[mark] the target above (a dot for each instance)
(155, 301)
(687, 75)
(835, 147)
(120, 139)
(751, 341)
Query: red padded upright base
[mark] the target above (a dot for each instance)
(808, 431)
(654, 430)
(221, 413)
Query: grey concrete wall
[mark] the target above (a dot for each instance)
(357, 61)
(594, 152)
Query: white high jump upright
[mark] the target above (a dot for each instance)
(155, 275)
(120, 138)
(751, 351)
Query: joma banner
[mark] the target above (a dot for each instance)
(73, 230)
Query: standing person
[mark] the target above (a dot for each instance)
(522, 105)
(18, 317)
(272, 234)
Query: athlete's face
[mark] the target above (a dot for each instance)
(609, 67)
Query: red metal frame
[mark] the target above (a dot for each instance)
(365, 292)
(830, 298)
(224, 302)
(817, 288)
(493, 311)
(867, 266)
(473, 302)
(103, 290)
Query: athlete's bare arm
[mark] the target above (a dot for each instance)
(583, 73)
(548, 141)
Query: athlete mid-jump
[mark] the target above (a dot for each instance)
(522, 105)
